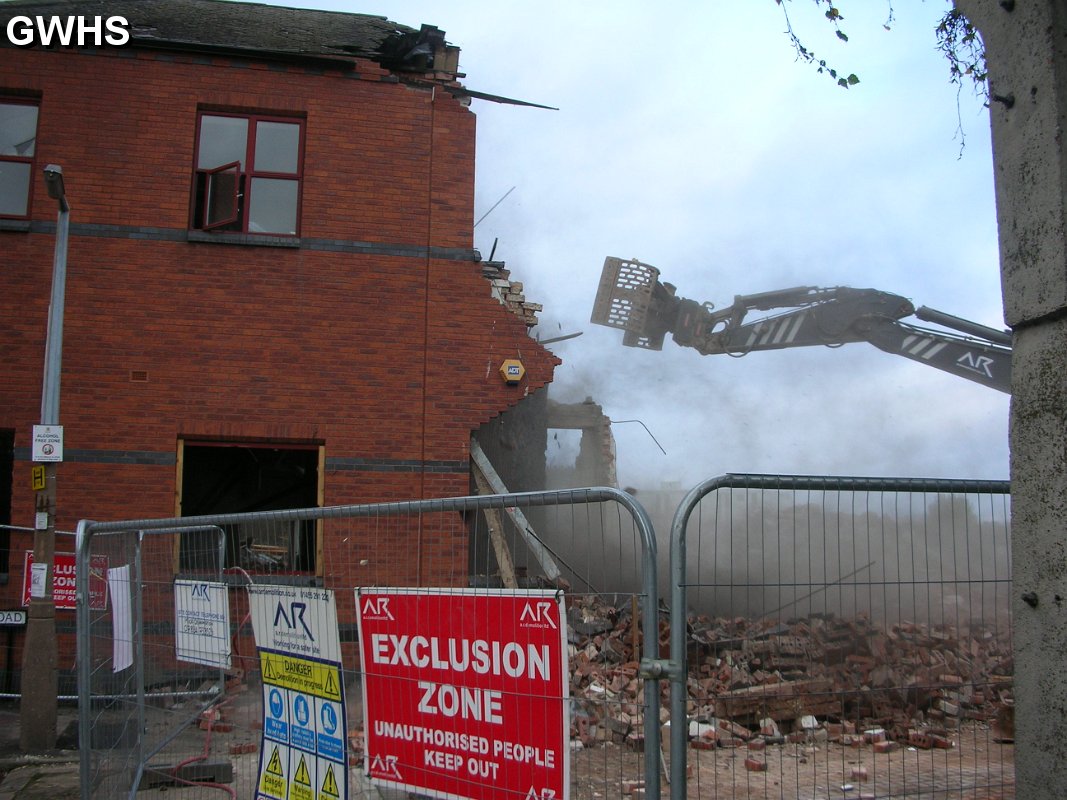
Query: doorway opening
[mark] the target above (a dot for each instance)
(241, 477)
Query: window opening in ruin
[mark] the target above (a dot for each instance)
(228, 477)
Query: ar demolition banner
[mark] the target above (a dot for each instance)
(304, 752)
(465, 692)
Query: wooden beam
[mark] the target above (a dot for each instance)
(496, 535)
(526, 531)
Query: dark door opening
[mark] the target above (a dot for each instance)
(230, 478)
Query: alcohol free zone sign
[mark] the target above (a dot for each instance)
(465, 692)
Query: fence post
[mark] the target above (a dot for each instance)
(83, 647)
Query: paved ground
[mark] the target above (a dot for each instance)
(55, 775)
(37, 777)
(977, 768)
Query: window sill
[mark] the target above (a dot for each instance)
(252, 239)
(16, 225)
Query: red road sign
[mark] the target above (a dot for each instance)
(465, 692)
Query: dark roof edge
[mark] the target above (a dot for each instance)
(339, 62)
(258, 30)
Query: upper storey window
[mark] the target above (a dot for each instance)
(248, 171)
(18, 140)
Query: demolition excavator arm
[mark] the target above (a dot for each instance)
(631, 297)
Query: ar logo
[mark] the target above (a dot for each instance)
(982, 364)
(377, 608)
(293, 617)
(385, 765)
(539, 613)
(200, 591)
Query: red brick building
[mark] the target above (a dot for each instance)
(271, 272)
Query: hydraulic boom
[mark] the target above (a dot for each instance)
(632, 298)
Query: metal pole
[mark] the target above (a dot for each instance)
(84, 661)
(39, 708)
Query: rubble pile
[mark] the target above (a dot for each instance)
(821, 676)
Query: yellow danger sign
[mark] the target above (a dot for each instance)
(301, 675)
(329, 784)
(274, 766)
(272, 781)
(300, 789)
(302, 775)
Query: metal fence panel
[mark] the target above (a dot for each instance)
(841, 637)
(187, 722)
(134, 694)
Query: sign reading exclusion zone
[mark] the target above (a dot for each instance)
(465, 692)
(64, 588)
(304, 754)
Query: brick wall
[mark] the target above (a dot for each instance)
(377, 337)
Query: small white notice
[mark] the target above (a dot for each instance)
(118, 584)
(202, 622)
(38, 579)
(47, 443)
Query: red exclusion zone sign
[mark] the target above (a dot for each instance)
(465, 692)
(64, 590)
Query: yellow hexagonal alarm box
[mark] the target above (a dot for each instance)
(512, 371)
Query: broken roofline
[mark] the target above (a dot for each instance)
(256, 29)
(431, 63)
(307, 37)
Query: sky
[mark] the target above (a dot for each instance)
(690, 137)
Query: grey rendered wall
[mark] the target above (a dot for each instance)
(1026, 47)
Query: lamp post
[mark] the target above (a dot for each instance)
(40, 684)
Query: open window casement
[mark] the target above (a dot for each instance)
(222, 195)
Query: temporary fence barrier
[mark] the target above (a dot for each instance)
(841, 637)
(828, 637)
(132, 705)
(265, 654)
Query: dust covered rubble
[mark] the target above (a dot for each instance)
(821, 677)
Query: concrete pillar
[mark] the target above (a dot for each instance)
(1026, 48)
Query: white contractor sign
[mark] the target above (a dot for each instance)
(304, 752)
(202, 622)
